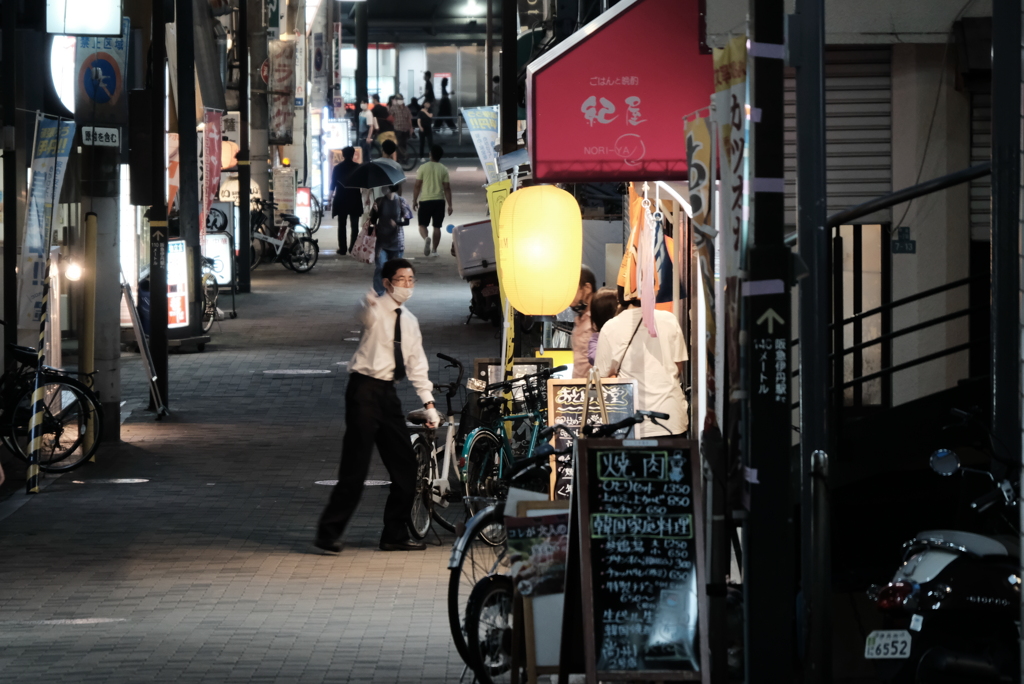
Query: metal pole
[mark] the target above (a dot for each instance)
(188, 195)
(244, 175)
(362, 48)
(11, 201)
(259, 111)
(509, 68)
(489, 55)
(769, 551)
(807, 34)
(158, 212)
(1006, 176)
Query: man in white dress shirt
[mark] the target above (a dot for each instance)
(390, 350)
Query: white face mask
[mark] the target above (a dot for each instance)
(401, 294)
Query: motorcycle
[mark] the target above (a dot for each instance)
(952, 610)
(485, 297)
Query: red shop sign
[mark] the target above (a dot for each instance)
(608, 103)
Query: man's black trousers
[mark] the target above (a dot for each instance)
(373, 415)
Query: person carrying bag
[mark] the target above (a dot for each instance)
(386, 220)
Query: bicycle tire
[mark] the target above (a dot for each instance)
(255, 254)
(210, 292)
(422, 505)
(483, 454)
(302, 255)
(80, 407)
(477, 560)
(489, 632)
(316, 213)
(451, 511)
(409, 160)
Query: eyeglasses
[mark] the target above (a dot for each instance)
(403, 280)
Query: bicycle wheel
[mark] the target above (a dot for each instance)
(316, 213)
(472, 559)
(210, 291)
(419, 517)
(489, 629)
(483, 479)
(70, 410)
(451, 511)
(255, 253)
(302, 255)
(407, 157)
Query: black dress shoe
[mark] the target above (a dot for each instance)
(403, 545)
(332, 546)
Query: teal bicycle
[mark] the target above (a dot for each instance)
(489, 453)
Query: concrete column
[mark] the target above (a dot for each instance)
(101, 195)
(939, 222)
(259, 109)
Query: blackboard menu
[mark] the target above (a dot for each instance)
(641, 552)
(565, 405)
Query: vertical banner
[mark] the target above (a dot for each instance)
(337, 101)
(730, 100)
(301, 75)
(212, 132)
(173, 174)
(230, 140)
(49, 162)
(482, 123)
(284, 193)
(100, 72)
(282, 91)
(497, 193)
(698, 160)
(318, 69)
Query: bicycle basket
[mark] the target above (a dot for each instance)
(474, 415)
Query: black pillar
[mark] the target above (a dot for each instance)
(158, 212)
(362, 47)
(11, 135)
(509, 100)
(188, 153)
(1006, 88)
(769, 572)
(244, 176)
(808, 30)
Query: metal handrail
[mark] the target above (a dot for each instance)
(913, 328)
(910, 364)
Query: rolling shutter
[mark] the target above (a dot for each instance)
(858, 130)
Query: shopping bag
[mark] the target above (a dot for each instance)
(365, 247)
(406, 212)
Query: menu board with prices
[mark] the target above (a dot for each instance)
(565, 406)
(641, 559)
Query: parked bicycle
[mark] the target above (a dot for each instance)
(292, 247)
(72, 419)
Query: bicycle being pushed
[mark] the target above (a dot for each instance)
(292, 246)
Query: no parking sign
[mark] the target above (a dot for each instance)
(99, 83)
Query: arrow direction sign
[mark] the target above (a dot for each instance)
(772, 318)
(159, 235)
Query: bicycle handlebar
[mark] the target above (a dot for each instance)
(453, 387)
(610, 429)
(541, 374)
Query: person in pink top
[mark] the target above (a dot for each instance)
(582, 330)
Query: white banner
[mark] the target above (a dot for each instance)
(730, 100)
(483, 126)
(49, 161)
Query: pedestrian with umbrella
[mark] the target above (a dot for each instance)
(387, 217)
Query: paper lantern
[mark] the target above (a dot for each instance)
(540, 249)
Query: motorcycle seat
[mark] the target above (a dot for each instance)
(977, 544)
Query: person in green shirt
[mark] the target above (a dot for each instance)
(433, 188)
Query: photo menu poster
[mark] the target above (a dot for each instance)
(641, 542)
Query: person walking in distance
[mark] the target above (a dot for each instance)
(433, 188)
(367, 129)
(424, 119)
(402, 120)
(582, 330)
(386, 221)
(390, 350)
(444, 109)
(346, 203)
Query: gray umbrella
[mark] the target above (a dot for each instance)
(378, 173)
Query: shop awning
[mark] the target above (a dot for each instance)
(608, 103)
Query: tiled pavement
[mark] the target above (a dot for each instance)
(205, 573)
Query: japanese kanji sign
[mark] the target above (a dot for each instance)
(614, 94)
(100, 72)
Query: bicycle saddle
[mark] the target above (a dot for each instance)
(417, 417)
(290, 218)
(26, 356)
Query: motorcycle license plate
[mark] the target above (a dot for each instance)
(887, 644)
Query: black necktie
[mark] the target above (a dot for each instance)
(399, 359)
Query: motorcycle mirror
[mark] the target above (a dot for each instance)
(944, 462)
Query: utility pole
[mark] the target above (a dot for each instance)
(259, 113)
(362, 54)
(188, 194)
(807, 55)
(489, 55)
(509, 121)
(12, 201)
(158, 212)
(769, 572)
(244, 174)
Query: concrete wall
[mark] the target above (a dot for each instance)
(858, 23)
(938, 222)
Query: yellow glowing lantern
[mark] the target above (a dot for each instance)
(540, 249)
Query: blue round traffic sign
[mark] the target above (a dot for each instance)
(100, 78)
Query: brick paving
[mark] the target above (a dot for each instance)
(206, 572)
